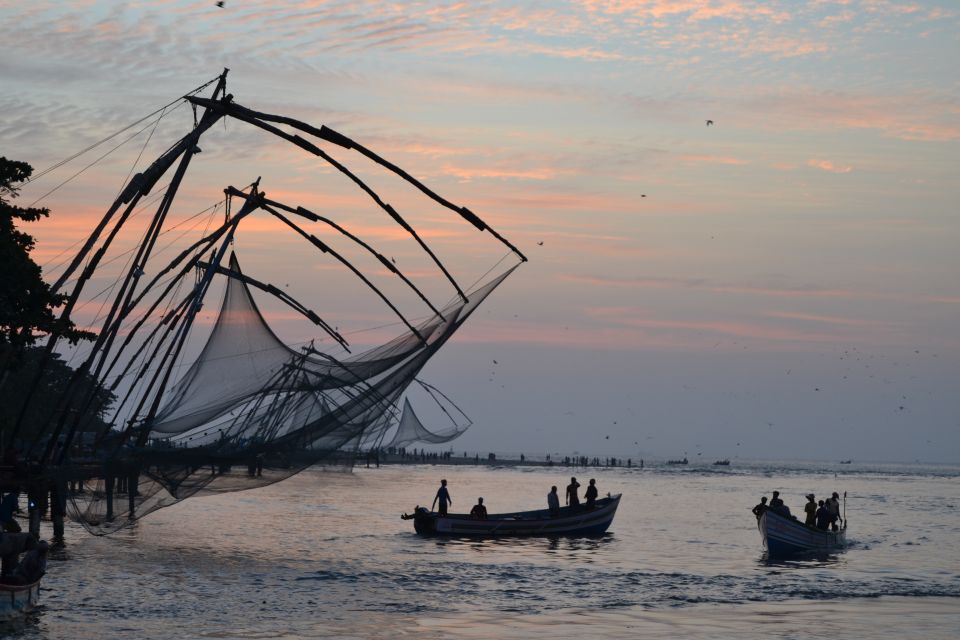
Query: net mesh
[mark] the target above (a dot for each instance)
(251, 411)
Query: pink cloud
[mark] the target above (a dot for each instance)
(827, 165)
(831, 320)
(709, 159)
(634, 317)
(798, 292)
(540, 173)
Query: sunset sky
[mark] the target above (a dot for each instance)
(782, 284)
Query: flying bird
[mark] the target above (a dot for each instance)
(540, 244)
(709, 123)
(220, 4)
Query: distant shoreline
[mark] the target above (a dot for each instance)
(477, 461)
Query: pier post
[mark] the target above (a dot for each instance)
(133, 481)
(109, 482)
(36, 497)
(58, 507)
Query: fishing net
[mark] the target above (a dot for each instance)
(249, 409)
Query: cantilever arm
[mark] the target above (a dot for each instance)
(323, 247)
(328, 134)
(313, 217)
(246, 115)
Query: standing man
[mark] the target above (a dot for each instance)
(591, 494)
(810, 509)
(553, 502)
(573, 499)
(833, 508)
(444, 497)
(760, 508)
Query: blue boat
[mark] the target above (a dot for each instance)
(16, 600)
(571, 521)
(783, 536)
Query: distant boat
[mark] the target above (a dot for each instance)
(577, 521)
(786, 536)
(18, 599)
(722, 463)
(846, 462)
(684, 461)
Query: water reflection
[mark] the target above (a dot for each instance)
(550, 544)
(809, 560)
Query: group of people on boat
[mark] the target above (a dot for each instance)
(442, 500)
(823, 515)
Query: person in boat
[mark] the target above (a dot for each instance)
(833, 507)
(573, 499)
(12, 544)
(760, 508)
(777, 506)
(479, 512)
(810, 509)
(591, 494)
(444, 497)
(823, 516)
(8, 507)
(33, 565)
(553, 502)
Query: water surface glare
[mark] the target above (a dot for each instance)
(326, 555)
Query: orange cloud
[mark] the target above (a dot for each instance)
(827, 165)
(709, 159)
(541, 173)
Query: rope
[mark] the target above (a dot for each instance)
(59, 164)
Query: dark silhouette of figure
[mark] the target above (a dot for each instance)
(775, 501)
(32, 566)
(823, 517)
(833, 508)
(220, 3)
(591, 494)
(760, 508)
(553, 502)
(444, 497)
(8, 506)
(572, 498)
(11, 546)
(479, 512)
(810, 509)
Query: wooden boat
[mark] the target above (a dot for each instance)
(18, 599)
(786, 536)
(684, 461)
(722, 463)
(576, 521)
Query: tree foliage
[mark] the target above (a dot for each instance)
(47, 395)
(27, 304)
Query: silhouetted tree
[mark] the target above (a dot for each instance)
(47, 394)
(27, 305)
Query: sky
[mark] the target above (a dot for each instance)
(781, 284)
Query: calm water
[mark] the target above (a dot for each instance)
(326, 555)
